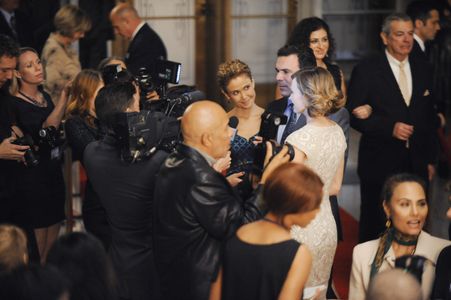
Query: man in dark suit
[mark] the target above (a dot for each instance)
(126, 192)
(196, 208)
(14, 23)
(399, 135)
(145, 44)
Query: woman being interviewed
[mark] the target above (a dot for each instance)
(406, 208)
(81, 129)
(40, 187)
(262, 261)
(237, 85)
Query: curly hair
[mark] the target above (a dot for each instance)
(229, 70)
(300, 36)
(318, 87)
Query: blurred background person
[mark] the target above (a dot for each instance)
(394, 284)
(82, 258)
(40, 188)
(14, 23)
(61, 63)
(13, 247)
(406, 209)
(82, 128)
(262, 261)
(111, 60)
(237, 85)
(320, 145)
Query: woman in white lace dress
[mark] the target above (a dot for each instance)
(320, 144)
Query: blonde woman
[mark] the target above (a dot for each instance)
(61, 63)
(13, 248)
(320, 145)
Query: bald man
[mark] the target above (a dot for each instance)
(394, 284)
(145, 44)
(196, 208)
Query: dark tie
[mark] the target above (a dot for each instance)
(12, 23)
(291, 125)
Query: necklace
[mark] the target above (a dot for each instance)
(32, 100)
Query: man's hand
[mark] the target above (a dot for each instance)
(362, 112)
(431, 171)
(271, 164)
(223, 164)
(234, 179)
(152, 96)
(10, 151)
(402, 131)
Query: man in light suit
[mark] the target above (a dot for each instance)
(399, 135)
(145, 44)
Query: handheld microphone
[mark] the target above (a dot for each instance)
(233, 123)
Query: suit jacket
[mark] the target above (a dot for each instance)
(144, 49)
(442, 281)
(126, 192)
(196, 211)
(363, 256)
(416, 52)
(380, 154)
(23, 29)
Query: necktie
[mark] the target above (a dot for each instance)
(12, 23)
(291, 125)
(403, 84)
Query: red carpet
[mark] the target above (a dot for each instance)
(343, 256)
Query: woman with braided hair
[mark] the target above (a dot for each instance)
(406, 209)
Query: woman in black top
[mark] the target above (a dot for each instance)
(262, 261)
(81, 129)
(40, 187)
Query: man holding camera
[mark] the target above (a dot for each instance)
(126, 192)
(196, 209)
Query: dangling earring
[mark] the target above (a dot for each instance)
(388, 223)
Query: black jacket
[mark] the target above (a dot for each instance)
(144, 49)
(196, 211)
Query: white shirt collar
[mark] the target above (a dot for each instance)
(420, 42)
(392, 59)
(7, 15)
(138, 28)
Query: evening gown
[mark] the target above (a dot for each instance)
(41, 188)
(324, 148)
(252, 271)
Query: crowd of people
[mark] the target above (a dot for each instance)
(235, 211)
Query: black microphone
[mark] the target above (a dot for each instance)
(233, 123)
(188, 98)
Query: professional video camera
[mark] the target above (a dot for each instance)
(268, 131)
(156, 126)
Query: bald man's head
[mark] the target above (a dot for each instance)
(394, 284)
(205, 127)
(124, 19)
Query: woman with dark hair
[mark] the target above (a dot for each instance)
(262, 261)
(320, 145)
(84, 261)
(81, 129)
(406, 208)
(314, 33)
(40, 187)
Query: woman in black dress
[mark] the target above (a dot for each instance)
(262, 261)
(40, 187)
(81, 129)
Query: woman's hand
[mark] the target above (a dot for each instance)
(223, 164)
(362, 112)
(257, 140)
(234, 179)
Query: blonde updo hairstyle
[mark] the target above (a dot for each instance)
(229, 70)
(318, 87)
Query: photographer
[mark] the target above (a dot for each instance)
(11, 154)
(126, 192)
(196, 209)
(39, 184)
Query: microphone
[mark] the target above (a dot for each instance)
(233, 123)
(187, 98)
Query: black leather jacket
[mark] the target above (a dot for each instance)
(196, 211)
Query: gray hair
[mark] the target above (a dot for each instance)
(386, 24)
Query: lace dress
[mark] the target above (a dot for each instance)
(324, 148)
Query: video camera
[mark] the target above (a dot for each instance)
(156, 126)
